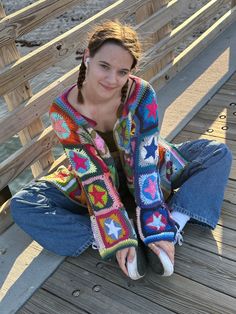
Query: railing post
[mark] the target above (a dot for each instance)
(9, 54)
(143, 13)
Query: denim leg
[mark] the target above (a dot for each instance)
(53, 220)
(202, 183)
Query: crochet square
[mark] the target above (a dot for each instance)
(81, 161)
(60, 125)
(155, 221)
(148, 151)
(101, 193)
(147, 114)
(148, 190)
(112, 228)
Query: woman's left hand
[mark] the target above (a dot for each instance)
(166, 246)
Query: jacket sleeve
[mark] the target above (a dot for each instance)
(109, 220)
(153, 217)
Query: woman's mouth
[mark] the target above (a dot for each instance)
(109, 88)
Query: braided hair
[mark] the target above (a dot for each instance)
(80, 81)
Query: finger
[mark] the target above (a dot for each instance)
(154, 248)
(123, 263)
(131, 255)
(121, 259)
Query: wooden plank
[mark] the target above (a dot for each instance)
(206, 268)
(212, 128)
(143, 13)
(96, 294)
(62, 46)
(175, 293)
(26, 156)
(157, 20)
(44, 302)
(177, 35)
(35, 107)
(230, 192)
(193, 50)
(228, 217)
(218, 241)
(27, 19)
(218, 113)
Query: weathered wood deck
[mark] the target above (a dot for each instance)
(205, 270)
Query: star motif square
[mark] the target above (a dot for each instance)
(153, 222)
(148, 153)
(101, 193)
(149, 192)
(112, 227)
(148, 114)
(81, 162)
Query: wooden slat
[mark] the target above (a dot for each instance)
(219, 241)
(176, 293)
(30, 17)
(212, 128)
(142, 14)
(35, 107)
(228, 217)
(218, 113)
(27, 155)
(158, 19)
(193, 50)
(44, 302)
(61, 47)
(206, 268)
(69, 278)
(168, 43)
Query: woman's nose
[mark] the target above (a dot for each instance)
(112, 77)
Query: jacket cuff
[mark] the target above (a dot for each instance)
(112, 231)
(155, 225)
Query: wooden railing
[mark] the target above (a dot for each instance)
(152, 19)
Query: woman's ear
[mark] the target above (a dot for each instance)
(86, 62)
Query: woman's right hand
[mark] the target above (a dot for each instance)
(123, 256)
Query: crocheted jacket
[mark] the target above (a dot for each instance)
(150, 165)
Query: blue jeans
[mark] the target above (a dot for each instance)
(63, 227)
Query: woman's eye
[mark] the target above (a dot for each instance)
(123, 73)
(104, 66)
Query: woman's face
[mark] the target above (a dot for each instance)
(108, 71)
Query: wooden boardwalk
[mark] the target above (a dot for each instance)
(205, 270)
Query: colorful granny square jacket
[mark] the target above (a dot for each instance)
(150, 165)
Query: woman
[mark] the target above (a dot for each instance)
(108, 126)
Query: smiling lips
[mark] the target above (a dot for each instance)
(107, 87)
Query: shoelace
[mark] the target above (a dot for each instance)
(179, 238)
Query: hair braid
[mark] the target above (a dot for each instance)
(123, 98)
(81, 78)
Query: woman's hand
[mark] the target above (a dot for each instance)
(123, 256)
(166, 246)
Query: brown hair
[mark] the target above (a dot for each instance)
(111, 31)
